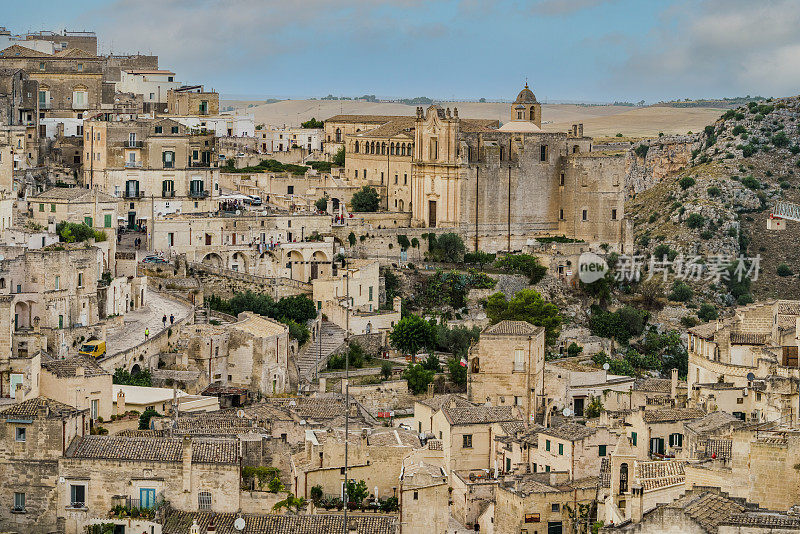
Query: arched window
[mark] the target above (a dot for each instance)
(533, 113)
(338, 135)
(2, 283)
(403, 149)
(356, 147)
(383, 148)
(623, 478)
(391, 149)
(576, 149)
(372, 147)
(400, 205)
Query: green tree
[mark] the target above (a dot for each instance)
(351, 238)
(418, 377)
(622, 325)
(322, 203)
(413, 333)
(522, 264)
(291, 503)
(144, 419)
(338, 158)
(357, 491)
(386, 370)
(313, 123)
(366, 199)
(526, 305)
(479, 258)
(681, 292)
(448, 247)
(594, 408)
(431, 363)
(122, 376)
(707, 312)
(574, 349)
(458, 372)
(316, 493)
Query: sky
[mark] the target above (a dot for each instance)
(568, 50)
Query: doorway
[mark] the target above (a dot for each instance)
(432, 213)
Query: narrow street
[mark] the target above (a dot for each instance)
(131, 333)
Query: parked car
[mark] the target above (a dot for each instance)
(255, 200)
(94, 349)
(154, 259)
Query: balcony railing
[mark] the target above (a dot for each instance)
(168, 194)
(201, 164)
(519, 367)
(76, 105)
(133, 194)
(198, 194)
(133, 164)
(134, 144)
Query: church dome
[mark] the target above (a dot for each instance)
(525, 96)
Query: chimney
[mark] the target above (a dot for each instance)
(455, 112)
(452, 404)
(673, 390)
(580, 129)
(195, 528)
(120, 402)
(637, 504)
(187, 466)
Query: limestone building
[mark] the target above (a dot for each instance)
(192, 100)
(506, 367)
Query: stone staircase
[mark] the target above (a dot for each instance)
(201, 315)
(331, 338)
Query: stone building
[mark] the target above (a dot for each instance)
(192, 474)
(659, 432)
(19, 122)
(541, 503)
(78, 381)
(747, 364)
(423, 498)
(252, 353)
(506, 367)
(375, 455)
(271, 139)
(152, 166)
(572, 448)
(192, 100)
(476, 178)
(152, 84)
(34, 435)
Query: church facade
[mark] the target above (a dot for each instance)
(497, 186)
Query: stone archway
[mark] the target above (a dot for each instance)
(214, 260)
(238, 262)
(297, 265)
(319, 265)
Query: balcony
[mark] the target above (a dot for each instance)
(133, 194)
(80, 105)
(201, 164)
(519, 367)
(198, 194)
(133, 164)
(168, 194)
(134, 144)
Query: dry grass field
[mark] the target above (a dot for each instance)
(597, 120)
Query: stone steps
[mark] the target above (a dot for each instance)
(330, 339)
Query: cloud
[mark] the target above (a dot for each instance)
(557, 8)
(720, 47)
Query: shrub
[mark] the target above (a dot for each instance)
(523, 264)
(689, 321)
(321, 203)
(386, 370)
(418, 378)
(686, 182)
(751, 183)
(784, 270)
(653, 218)
(738, 129)
(365, 199)
(681, 292)
(338, 159)
(641, 150)
(707, 312)
(706, 234)
(780, 139)
(784, 184)
(144, 419)
(574, 349)
(714, 191)
(695, 220)
(748, 150)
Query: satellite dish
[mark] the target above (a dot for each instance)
(240, 414)
(239, 523)
(2, 257)
(566, 412)
(60, 480)
(606, 366)
(238, 212)
(751, 377)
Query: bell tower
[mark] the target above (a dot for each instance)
(526, 107)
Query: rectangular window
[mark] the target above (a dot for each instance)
(58, 282)
(561, 449)
(543, 153)
(204, 500)
(370, 293)
(168, 158)
(633, 438)
(555, 507)
(80, 279)
(52, 208)
(601, 450)
(676, 440)
(159, 129)
(613, 215)
(290, 190)
(585, 215)
(519, 360)
(467, 441)
(174, 129)
(562, 179)
(77, 495)
(95, 408)
(19, 501)
(41, 207)
(416, 495)
(107, 220)
(547, 469)
(547, 445)
(20, 434)
(88, 221)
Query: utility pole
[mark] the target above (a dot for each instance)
(346, 391)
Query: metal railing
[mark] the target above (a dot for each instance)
(133, 164)
(168, 194)
(134, 144)
(132, 194)
(198, 194)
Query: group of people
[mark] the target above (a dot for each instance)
(163, 321)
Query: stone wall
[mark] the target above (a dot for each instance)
(665, 155)
(384, 396)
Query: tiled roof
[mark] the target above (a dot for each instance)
(570, 431)
(749, 338)
(672, 414)
(657, 385)
(393, 437)
(394, 128)
(789, 307)
(39, 407)
(763, 519)
(66, 368)
(436, 402)
(511, 328)
(719, 448)
(73, 193)
(21, 51)
(177, 522)
(707, 508)
(712, 422)
(705, 331)
(318, 408)
(659, 474)
(366, 119)
(476, 415)
(435, 445)
(216, 451)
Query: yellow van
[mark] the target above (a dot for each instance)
(95, 349)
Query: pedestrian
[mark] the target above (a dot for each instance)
(171, 319)
(164, 320)
(146, 334)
